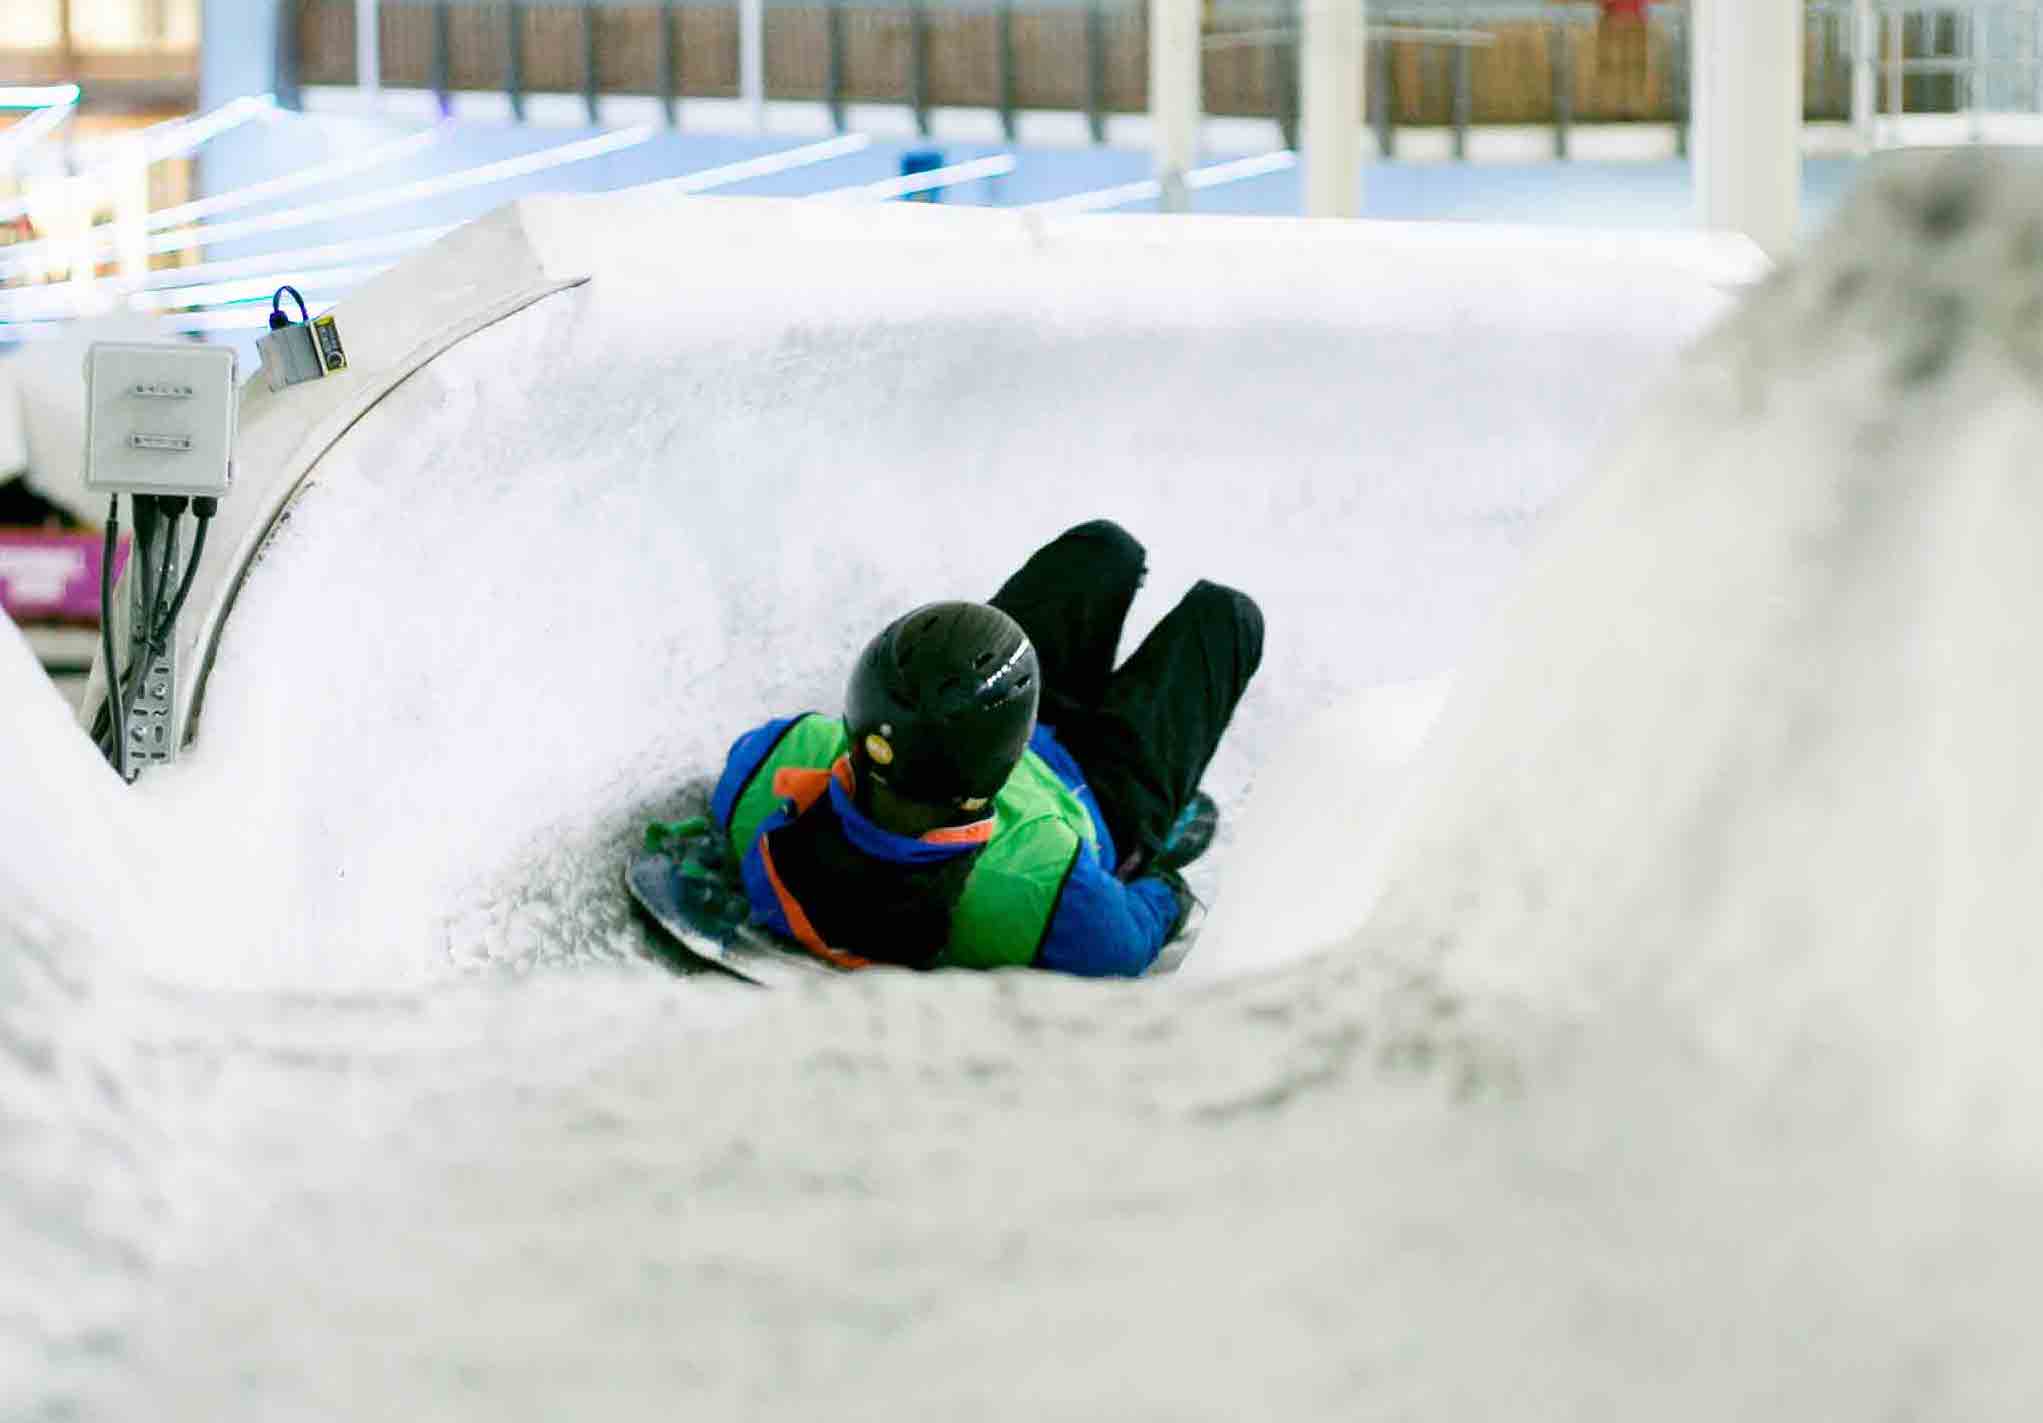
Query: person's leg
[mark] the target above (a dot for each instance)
(1071, 598)
(1147, 747)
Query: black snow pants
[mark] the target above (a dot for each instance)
(1143, 733)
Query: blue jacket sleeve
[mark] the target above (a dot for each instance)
(767, 909)
(1101, 927)
(748, 753)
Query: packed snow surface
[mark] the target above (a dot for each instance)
(562, 566)
(1669, 1047)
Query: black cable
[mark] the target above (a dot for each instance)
(141, 570)
(166, 552)
(155, 583)
(163, 624)
(184, 584)
(158, 622)
(277, 318)
(113, 682)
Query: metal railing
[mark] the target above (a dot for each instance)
(1969, 60)
(1886, 63)
(1452, 65)
(1084, 56)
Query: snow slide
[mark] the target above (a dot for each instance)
(553, 542)
(1677, 1070)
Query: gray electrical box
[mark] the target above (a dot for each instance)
(302, 352)
(159, 418)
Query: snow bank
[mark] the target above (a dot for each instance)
(1324, 816)
(74, 1201)
(1753, 742)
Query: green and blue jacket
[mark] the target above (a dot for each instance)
(1039, 887)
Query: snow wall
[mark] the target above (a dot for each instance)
(1675, 1072)
(554, 542)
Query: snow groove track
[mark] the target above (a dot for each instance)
(1675, 1055)
(563, 563)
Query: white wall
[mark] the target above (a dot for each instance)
(13, 440)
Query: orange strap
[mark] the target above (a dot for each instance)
(979, 832)
(805, 786)
(797, 918)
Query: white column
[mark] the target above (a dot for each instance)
(752, 59)
(1174, 95)
(1748, 118)
(1865, 73)
(368, 52)
(1330, 106)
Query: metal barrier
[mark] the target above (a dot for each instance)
(1970, 60)
(1085, 56)
(1440, 64)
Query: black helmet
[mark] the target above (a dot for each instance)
(941, 704)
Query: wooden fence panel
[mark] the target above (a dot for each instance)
(709, 52)
(876, 54)
(553, 48)
(404, 39)
(1049, 65)
(629, 43)
(964, 59)
(1125, 41)
(1512, 78)
(798, 54)
(476, 48)
(326, 42)
(1235, 79)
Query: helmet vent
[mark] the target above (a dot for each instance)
(979, 662)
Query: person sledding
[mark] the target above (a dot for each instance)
(995, 793)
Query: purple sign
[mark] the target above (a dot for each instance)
(52, 575)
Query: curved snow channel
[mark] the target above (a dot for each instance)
(561, 567)
(404, 1124)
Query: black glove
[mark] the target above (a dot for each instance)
(1191, 835)
(1181, 892)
